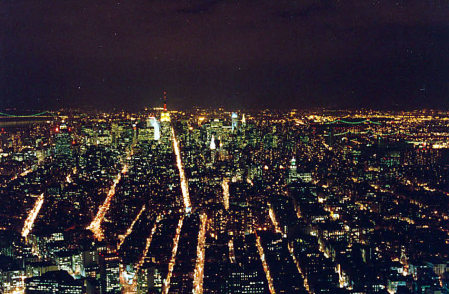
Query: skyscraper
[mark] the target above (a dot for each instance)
(165, 123)
(234, 121)
(54, 282)
(293, 171)
(63, 141)
(212, 143)
(153, 122)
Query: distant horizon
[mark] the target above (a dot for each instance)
(87, 109)
(17, 110)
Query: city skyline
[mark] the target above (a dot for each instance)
(215, 201)
(224, 147)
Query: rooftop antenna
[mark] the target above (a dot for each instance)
(165, 100)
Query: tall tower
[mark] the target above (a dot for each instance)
(153, 122)
(165, 115)
(293, 171)
(234, 121)
(213, 149)
(63, 141)
(165, 133)
(212, 143)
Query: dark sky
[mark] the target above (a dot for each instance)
(254, 53)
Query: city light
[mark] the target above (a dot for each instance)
(148, 242)
(95, 225)
(272, 215)
(130, 229)
(129, 288)
(224, 147)
(29, 222)
(22, 174)
(26, 172)
(339, 192)
(172, 262)
(225, 186)
(200, 255)
(266, 269)
(182, 177)
(298, 267)
(231, 250)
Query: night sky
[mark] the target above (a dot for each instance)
(237, 54)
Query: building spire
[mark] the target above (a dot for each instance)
(212, 143)
(165, 100)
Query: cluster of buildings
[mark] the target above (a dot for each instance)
(226, 202)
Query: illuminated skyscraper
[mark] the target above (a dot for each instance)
(235, 121)
(165, 123)
(115, 134)
(165, 115)
(54, 282)
(153, 122)
(63, 141)
(293, 171)
(112, 268)
(212, 143)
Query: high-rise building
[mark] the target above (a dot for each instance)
(70, 261)
(63, 141)
(112, 267)
(212, 143)
(154, 123)
(165, 123)
(115, 134)
(149, 279)
(292, 172)
(234, 121)
(57, 282)
(242, 280)
(145, 134)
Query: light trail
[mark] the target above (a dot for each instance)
(22, 174)
(200, 254)
(131, 288)
(29, 222)
(171, 264)
(290, 248)
(265, 265)
(148, 243)
(26, 172)
(182, 176)
(295, 260)
(277, 228)
(225, 186)
(130, 229)
(231, 251)
(95, 225)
